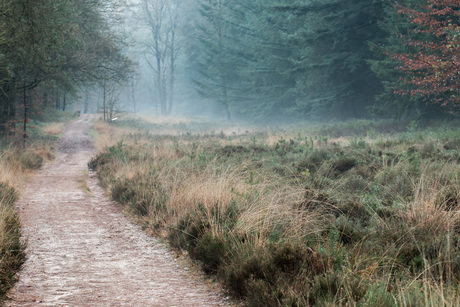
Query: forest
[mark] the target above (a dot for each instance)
(262, 60)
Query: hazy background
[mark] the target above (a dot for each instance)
(264, 60)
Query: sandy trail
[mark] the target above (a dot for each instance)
(82, 250)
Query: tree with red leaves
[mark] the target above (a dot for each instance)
(433, 69)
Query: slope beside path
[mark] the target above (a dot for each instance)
(82, 250)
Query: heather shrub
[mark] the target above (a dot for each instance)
(340, 215)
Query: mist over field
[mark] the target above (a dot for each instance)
(301, 152)
(267, 61)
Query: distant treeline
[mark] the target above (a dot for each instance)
(328, 58)
(50, 49)
(258, 59)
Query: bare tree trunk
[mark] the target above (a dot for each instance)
(85, 110)
(156, 20)
(98, 101)
(103, 100)
(133, 96)
(164, 104)
(160, 85)
(224, 100)
(171, 73)
(171, 92)
(159, 69)
(110, 113)
(12, 123)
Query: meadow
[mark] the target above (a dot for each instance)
(358, 213)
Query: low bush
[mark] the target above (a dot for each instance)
(15, 163)
(276, 274)
(31, 160)
(141, 194)
(11, 249)
(8, 194)
(298, 218)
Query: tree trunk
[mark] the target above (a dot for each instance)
(63, 102)
(58, 102)
(159, 81)
(225, 98)
(8, 111)
(133, 96)
(171, 94)
(103, 100)
(223, 69)
(24, 93)
(85, 110)
(98, 100)
(171, 75)
(11, 129)
(164, 103)
(45, 98)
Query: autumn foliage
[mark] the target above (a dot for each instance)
(432, 67)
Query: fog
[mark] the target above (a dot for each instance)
(262, 61)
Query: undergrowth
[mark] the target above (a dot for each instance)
(358, 214)
(16, 163)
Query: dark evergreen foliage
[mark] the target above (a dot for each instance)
(307, 58)
(262, 59)
(329, 40)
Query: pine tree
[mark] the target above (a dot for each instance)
(214, 55)
(332, 38)
(267, 76)
(289, 56)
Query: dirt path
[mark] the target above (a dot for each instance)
(82, 250)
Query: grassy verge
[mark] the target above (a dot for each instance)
(16, 165)
(359, 213)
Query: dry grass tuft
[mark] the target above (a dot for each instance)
(83, 184)
(107, 135)
(16, 164)
(436, 202)
(13, 174)
(45, 151)
(10, 167)
(287, 218)
(53, 129)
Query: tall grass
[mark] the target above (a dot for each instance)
(16, 165)
(13, 165)
(325, 216)
(53, 129)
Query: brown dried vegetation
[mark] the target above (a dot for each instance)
(296, 218)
